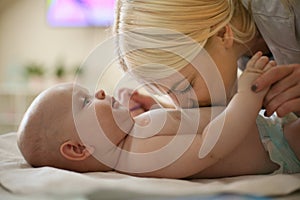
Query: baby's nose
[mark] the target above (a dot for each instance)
(100, 94)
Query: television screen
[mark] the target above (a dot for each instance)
(80, 13)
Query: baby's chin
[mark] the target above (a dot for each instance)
(123, 119)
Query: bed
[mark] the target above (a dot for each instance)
(20, 181)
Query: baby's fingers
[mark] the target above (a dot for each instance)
(124, 95)
(251, 63)
(261, 63)
(270, 64)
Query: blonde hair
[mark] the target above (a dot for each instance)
(197, 20)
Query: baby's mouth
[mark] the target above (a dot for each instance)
(114, 103)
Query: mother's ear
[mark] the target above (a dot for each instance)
(226, 36)
(75, 151)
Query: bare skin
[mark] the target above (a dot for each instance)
(249, 157)
(242, 152)
(238, 149)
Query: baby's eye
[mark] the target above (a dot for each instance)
(87, 101)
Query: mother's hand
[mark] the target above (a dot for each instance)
(284, 95)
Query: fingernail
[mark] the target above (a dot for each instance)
(273, 63)
(254, 88)
(259, 53)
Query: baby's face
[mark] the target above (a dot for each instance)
(98, 120)
(100, 112)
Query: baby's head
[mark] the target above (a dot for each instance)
(48, 136)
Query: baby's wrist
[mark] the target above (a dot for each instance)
(251, 97)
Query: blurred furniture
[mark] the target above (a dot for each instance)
(13, 103)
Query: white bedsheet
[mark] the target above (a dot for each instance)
(18, 180)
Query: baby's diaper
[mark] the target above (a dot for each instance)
(272, 137)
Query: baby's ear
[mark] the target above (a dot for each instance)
(75, 151)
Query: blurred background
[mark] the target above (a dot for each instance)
(45, 42)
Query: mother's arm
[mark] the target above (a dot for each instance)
(284, 95)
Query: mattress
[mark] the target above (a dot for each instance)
(20, 181)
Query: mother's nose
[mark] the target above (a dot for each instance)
(100, 94)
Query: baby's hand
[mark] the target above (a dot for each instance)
(257, 65)
(125, 98)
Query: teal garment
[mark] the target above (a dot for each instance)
(272, 137)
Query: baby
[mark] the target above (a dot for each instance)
(66, 127)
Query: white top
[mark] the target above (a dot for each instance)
(280, 28)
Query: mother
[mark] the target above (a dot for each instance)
(227, 29)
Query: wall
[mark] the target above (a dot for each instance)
(25, 37)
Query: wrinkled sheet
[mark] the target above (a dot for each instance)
(19, 179)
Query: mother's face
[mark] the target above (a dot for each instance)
(199, 86)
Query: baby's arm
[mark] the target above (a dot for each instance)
(239, 118)
(172, 122)
(234, 124)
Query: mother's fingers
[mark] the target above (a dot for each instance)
(282, 86)
(288, 107)
(285, 102)
(272, 76)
